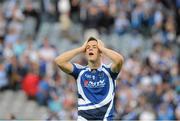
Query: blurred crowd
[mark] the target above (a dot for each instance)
(148, 86)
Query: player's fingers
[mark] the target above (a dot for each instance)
(100, 42)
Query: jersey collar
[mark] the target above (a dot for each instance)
(99, 69)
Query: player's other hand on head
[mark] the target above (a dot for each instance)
(100, 45)
(83, 47)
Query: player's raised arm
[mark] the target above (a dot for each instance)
(63, 60)
(114, 56)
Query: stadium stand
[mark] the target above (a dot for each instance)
(16, 103)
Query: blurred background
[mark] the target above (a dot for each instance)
(34, 32)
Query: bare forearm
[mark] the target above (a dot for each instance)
(114, 56)
(67, 56)
(63, 60)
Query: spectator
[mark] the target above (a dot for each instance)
(3, 77)
(1, 46)
(148, 116)
(12, 36)
(30, 12)
(10, 116)
(18, 48)
(106, 20)
(92, 18)
(30, 82)
(2, 25)
(121, 24)
(49, 10)
(177, 112)
(42, 94)
(75, 10)
(13, 73)
(136, 17)
(31, 51)
(47, 53)
(165, 112)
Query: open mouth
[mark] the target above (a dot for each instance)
(91, 53)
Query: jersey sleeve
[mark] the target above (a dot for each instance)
(76, 70)
(113, 74)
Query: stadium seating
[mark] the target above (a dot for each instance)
(16, 103)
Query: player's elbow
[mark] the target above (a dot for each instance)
(58, 61)
(120, 61)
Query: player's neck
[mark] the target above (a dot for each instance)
(94, 65)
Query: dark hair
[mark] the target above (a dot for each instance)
(92, 39)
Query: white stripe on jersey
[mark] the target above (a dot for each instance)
(80, 90)
(78, 66)
(109, 109)
(108, 98)
(80, 118)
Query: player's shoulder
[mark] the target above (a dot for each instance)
(78, 66)
(106, 65)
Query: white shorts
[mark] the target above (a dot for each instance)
(80, 118)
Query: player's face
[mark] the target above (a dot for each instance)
(92, 51)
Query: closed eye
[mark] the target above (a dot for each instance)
(94, 46)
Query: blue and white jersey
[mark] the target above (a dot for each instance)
(96, 90)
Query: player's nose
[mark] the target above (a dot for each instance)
(90, 49)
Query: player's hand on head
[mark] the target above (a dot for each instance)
(83, 47)
(100, 45)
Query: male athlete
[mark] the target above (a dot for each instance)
(96, 81)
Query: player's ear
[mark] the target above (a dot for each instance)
(100, 53)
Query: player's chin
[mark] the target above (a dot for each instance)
(91, 59)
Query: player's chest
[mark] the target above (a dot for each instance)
(94, 79)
